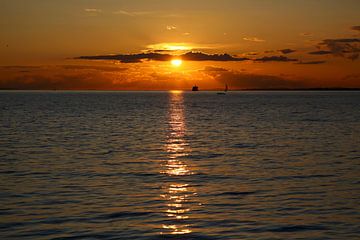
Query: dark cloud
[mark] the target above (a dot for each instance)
(199, 56)
(214, 69)
(161, 51)
(19, 67)
(189, 56)
(56, 81)
(241, 80)
(286, 51)
(275, 59)
(130, 58)
(56, 77)
(311, 62)
(343, 47)
(25, 69)
(251, 53)
(156, 56)
(320, 52)
(356, 28)
(306, 34)
(76, 77)
(101, 68)
(342, 40)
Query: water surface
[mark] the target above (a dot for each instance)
(179, 165)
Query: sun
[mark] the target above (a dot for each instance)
(176, 62)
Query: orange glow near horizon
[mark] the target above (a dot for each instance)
(170, 48)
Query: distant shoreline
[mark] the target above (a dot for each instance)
(303, 89)
(206, 90)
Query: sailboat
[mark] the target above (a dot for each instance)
(225, 90)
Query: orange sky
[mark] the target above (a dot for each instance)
(109, 45)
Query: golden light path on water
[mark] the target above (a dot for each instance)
(177, 193)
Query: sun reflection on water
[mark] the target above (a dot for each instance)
(177, 194)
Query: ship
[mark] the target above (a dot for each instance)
(195, 88)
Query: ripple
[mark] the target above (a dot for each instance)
(121, 165)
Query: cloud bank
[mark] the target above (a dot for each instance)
(348, 48)
(320, 52)
(355, 28)
(287, 51)
(161, 55)
(114, 77)
(93, 10)
(242, 80)
(156, 56)
(311, 62)
(253, 39)
(275, 59)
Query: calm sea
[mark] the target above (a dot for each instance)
(179, 165)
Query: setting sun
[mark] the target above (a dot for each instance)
(176, 62)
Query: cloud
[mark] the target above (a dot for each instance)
(214, 69)
(320, 52)
(170, 28)
(311, 62)
(275, 59)
(286, 51)
(306, 34)
(89, 67)
(170, 47)
(131, 58)
(67, 77)
(182, 46)
(253, 39)
(19, 67)
(241, 80)
(342, 47)
(283, 51)
(341, 40)
(71, 77)
(146, 14)
(251, 53)
(76, 77)
(156, 56)
(166, 55)
(355, 28)
(44, 81)
(199, 56)
(133, 13)
(93, 10)
(111, 77)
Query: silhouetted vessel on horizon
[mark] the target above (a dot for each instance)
(225, 90)
(195, 88)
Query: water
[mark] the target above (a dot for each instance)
(179, 165)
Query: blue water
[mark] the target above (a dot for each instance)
(179, 165)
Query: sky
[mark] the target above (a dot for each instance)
(132, 45)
